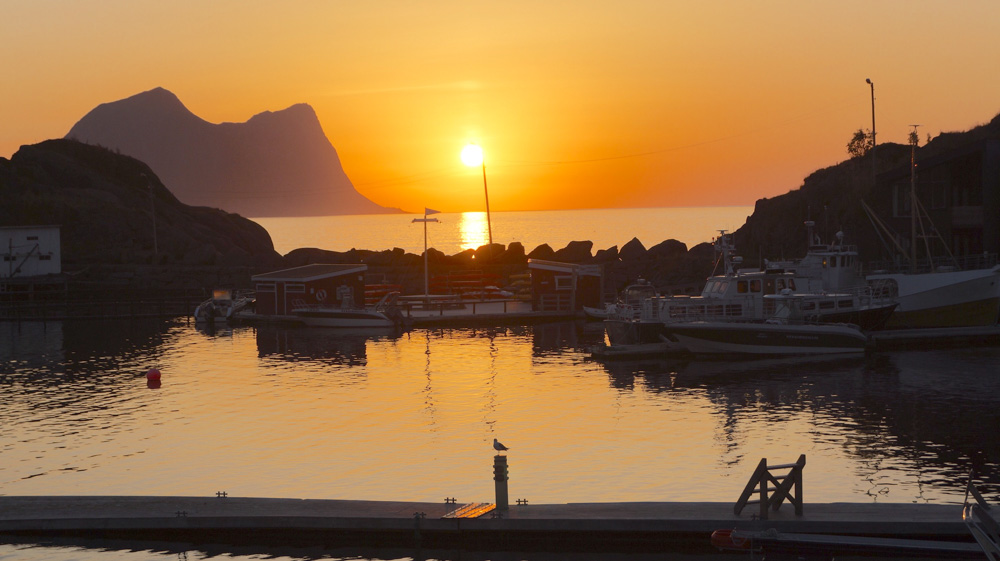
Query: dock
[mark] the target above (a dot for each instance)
(624, 527)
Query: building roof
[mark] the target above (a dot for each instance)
(559, 267)
(306, 273)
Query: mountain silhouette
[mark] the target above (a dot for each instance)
(276, 164)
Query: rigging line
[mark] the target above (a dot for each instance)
(828, 109)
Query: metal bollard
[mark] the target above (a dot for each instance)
(500, 479)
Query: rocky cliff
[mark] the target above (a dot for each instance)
(107, 206)
(275, 164)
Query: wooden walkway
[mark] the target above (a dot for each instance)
(643, 526)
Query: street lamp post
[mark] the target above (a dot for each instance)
(425, 220)
(872, 84)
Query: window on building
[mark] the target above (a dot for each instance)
(295, 287)
(564, 282)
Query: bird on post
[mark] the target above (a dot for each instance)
(499, 447)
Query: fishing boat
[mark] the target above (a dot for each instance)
(223, 306)
(785, 333)
(628, 304)
(943, 292)
(742, 295)
(383, 314)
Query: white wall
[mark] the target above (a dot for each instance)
(27, 251)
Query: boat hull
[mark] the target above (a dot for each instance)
(944, 299)
(766, 339)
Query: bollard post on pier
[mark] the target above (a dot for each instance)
(500, 479)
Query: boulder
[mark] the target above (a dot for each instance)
(575, 252)
(543, 252)
(632, 251)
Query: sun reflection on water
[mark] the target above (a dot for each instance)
(473, 230)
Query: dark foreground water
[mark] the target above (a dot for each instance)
(274, 412)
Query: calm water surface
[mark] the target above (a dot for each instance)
(456, 232)
(298, 412)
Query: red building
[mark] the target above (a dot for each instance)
(563, 287)
(279, 292)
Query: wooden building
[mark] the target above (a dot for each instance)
(279, 292)
(564, 287)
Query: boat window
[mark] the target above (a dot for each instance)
(721, 288)
(755, 285)
(741, 287)
(826, 305)
(845, 303)
(781, 284)
(791, 284)
(833, 262)
(769, 286)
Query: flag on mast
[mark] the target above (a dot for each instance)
(430, 211)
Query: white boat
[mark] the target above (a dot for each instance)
(741, 295)
(780, 335)
(942, 298)
(222, 307)
(383, 314)
(948, 293)
(628, 304)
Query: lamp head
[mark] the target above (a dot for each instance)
(868, 80)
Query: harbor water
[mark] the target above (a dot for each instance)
(323, 413)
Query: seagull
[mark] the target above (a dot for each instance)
(499, 447)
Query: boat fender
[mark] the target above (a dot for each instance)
(153, 374)
(730, 539)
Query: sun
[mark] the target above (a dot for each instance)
(472, 155)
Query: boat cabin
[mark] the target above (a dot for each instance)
(327, 285)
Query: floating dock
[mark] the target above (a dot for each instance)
(624, 527)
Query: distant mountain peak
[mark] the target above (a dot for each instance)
(277, 163)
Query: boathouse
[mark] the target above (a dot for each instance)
(281, 291)
(564, 287)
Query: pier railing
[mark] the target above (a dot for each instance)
(772, 490)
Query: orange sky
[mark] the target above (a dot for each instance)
(577, 104)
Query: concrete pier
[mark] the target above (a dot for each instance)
(631, 527)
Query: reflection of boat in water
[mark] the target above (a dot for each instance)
(383, 314)
(767, 339)
(346, 346)
(223, 306)
(782, 334)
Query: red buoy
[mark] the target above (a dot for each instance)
(153, 374)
